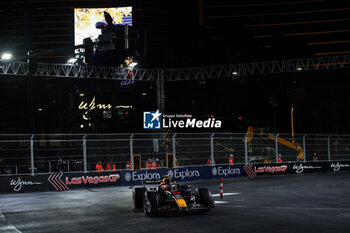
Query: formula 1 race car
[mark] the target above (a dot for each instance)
(169, 196)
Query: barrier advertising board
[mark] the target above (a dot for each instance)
(57, 181)
(253, 170)
(181, 174)
(67, 181)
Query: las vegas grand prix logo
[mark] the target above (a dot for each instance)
(157, 120)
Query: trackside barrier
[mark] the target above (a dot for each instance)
(58, 181)
(253, 170)
(68, 181)
(182, 174)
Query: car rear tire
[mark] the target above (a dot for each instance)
(138, 197)
(150, 202)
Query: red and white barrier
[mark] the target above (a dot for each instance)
(221, 187)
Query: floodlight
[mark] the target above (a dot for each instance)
(72, 61)
(6, 56)
(132, 64)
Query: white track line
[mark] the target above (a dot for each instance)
(290, 208)
(220, 202)
(7, 227)
(225, 194)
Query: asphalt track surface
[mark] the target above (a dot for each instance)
(303, 203)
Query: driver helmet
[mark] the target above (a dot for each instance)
(166, 181)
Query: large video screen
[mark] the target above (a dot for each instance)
(85, 20)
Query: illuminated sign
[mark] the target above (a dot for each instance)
(92, 105)
(87, 21)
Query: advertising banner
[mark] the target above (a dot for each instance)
(253, 170)
(18, 184)
(181, 174)
(57, 181)
(67, 181)
(338, 166)
(301, 168)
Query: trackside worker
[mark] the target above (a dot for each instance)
(128, 166)
(99, 167)
(176, 163)
(230, 160)
(210, 163)
(149, 164)
(111, 166)
(314, 158)
(157, 163)
(280, 158)
(153, 164)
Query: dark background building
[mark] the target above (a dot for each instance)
(184, 34)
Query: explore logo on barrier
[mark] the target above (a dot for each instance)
(141, 176)
(183, 174)
(228, 171)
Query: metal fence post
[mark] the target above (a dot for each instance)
(212, 149)
(329, 148)
(174, 146)
(84, 153)
(32, 154)
(304, 146)
(246, 149)
(276, 147)
(132, 150)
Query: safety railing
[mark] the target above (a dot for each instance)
(34, 154)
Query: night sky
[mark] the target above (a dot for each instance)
(184, 34)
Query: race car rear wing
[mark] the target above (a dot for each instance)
(144, 182)
(151, 182)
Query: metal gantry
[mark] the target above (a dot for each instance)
(259, 68)
(77, 71)
(206, 72)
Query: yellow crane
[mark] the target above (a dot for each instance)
(293, 145)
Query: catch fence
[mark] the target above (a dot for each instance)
(39, 153)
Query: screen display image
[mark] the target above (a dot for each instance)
(86, 20)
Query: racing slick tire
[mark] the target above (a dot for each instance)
(203, 196)
(151, 202)
(138, 197)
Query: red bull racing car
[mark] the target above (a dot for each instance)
(169, 196)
